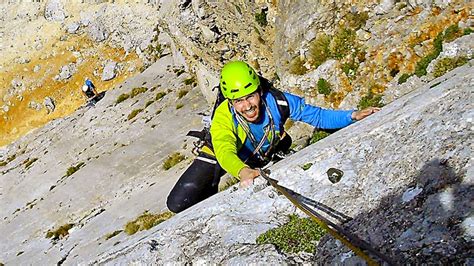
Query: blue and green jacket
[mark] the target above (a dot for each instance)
(231, 144)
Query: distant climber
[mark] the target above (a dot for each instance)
(90, 92)
(247, 132)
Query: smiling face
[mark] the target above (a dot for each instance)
(248, 106)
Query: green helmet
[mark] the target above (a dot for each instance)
(238, 79)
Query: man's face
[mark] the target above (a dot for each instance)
(248, 106)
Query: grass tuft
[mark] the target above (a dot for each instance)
(137, 91)
(122, 97)
(319, 49)
(179, 106)
(324, 87)
(29, 162)
(173, 160)
(134, 113)
(59, 233)
(403, 78)
(160, 95)
(371, 99)
(182, 93)
(318, 135)
(146, 221)
(342, 43)
(298, 235)
(297, 66)
(261, 18)
(109, 236)
(71, 170)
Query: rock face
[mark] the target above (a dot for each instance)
(419, 141)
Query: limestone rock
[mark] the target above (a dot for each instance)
(109, 70)
(54, 11)
(49, 104)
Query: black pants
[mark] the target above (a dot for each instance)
(198, 182)
(201, 179)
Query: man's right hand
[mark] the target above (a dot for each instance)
(247, 175)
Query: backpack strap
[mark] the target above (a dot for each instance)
(282, 104)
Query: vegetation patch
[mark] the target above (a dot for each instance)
(452, 32)
(59, 233)
(403, 78)
(298, 235)
(357, 20)
(71, 170)
(350, 68)
(9, 159)
(261, 18)
(228, 183)
(160, 95)
(29, 162)
(122, 97)
(297, 66)
(318, 135)
(146, 221)
(182, 93)
(173, 160)
(324, 87)
(134, 113)
(306, 166)
(447, 64)
(319, 50)
(109, 236)
(178, 71)
(342, 43)
(179, 106)
(420, 68)
(190, 81)
(137, 91)
(371, 99)
(149, 103)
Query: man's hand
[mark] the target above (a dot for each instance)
(247, 175)
(359, 115)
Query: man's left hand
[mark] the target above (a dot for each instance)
(359, 115)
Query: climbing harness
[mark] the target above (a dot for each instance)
(353, 242)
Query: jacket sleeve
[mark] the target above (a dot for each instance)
(225, 141)
(316, 116)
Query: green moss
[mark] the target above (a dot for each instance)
(357, 20)
(306, 166)
(447, 64)
(182, 93)
(261, 18)
(452, 32)
(29, 162)
(467, 31)
(318, 135)
(369, 100)
(319, 49)
(137, 91)
(179, 106)
(420, 68)
(324, 87)
(297, 66)
(59, 233)
(134, 113)
(342, 43)
(122, 97)
(403, 78)
(146, 221)
(298, 235)
(160, 95)
(71, 170)
(109, 236)
(173, 160)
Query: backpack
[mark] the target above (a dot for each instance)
(204, 135)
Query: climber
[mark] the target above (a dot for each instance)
(90, 92)
(247, 132)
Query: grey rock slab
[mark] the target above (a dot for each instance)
(382, 155)
(54, 11)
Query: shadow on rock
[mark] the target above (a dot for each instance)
(422, 224)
